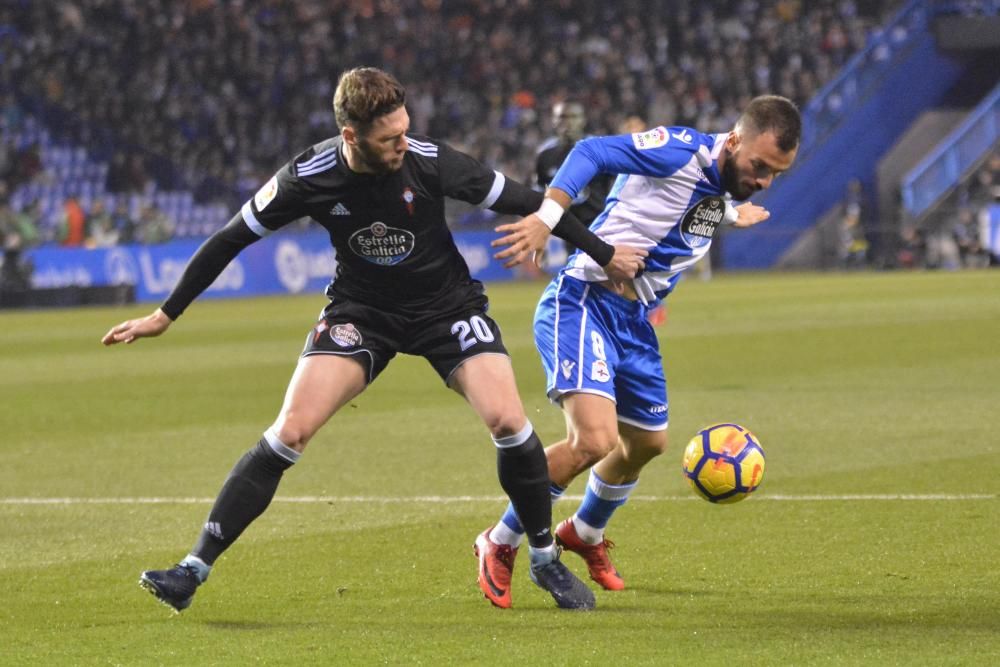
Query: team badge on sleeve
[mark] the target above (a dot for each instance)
(650, 138)
(266, 194)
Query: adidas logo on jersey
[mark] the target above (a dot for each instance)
(339, 209)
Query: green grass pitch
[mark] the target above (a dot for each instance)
(872, 540)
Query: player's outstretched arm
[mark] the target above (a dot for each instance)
(205, 266)
(145, 327)
(525, 239)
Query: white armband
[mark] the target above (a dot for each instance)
(731, 215)
(550, 213)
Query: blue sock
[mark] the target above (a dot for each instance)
(515, 530)
(599, 502)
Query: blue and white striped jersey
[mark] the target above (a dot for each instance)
(668, 199)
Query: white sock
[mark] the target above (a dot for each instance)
(543, 555)
(502, 534)
(200, 567)
(588, 533)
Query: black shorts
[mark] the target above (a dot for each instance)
(445, 337)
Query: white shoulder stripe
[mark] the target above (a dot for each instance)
(318, 157)
(548, 143)
(494, 193)
(418, 151)
(252, 222)
(318, 166)
(422, 144)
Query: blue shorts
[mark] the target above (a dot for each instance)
(605, 347)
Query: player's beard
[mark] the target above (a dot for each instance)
(731, 178)
(372, 161)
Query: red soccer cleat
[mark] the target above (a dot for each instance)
(496, 563)
(596, 556)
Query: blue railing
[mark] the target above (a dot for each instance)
(945, 166)
(867, 67)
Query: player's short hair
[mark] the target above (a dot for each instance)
(364, 94)
(772, 113)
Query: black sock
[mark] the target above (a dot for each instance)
(245, 495)
(524, 475)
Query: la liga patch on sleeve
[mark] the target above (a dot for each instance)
(650, 138)
(266, 194)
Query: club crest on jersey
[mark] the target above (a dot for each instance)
(266, 194)
(381, 244)
(345, 335)
(650, 138)
(599, 371)
(408, 200)
(701, 221)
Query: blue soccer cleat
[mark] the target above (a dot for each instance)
(564, 587)
(174, 587)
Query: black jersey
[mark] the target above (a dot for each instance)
(394, 248)
(590, 202)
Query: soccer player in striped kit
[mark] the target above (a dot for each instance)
(674, 189)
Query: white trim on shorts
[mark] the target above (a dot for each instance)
(644, 427)
(371, 357)
(555, 395)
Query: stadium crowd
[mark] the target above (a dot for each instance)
(210, 97)
(213, 96)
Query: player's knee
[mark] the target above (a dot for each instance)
(646, 448)
(590, 446)
(294, 433)
(505, 424)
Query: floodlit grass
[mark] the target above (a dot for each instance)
(869, 392)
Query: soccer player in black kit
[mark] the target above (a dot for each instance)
(401, 286)
(569, 122)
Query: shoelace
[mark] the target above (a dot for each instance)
(599, 557)
(505, 554)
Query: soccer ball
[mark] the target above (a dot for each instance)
(724, 463)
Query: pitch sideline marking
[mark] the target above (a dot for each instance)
(447, 500)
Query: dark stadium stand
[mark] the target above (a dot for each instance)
(166, 137)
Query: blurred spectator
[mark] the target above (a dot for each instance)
(967, 236)
(11, 114)
(633, 124)
(15, 272)
(26, 225)
(154, 226)
(912, 248)
(224, 117)
(853, 252)
(27, 166)
(7, 155)
(101, 226)
(123, 223)
(127, 173)
(71, 228)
